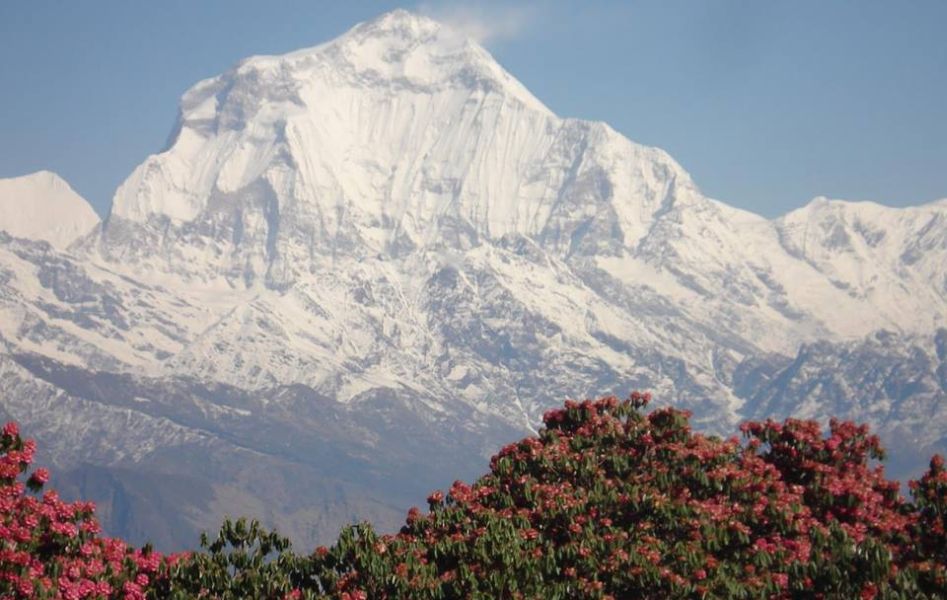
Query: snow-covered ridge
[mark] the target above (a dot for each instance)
(873, 251)
(402, 140)
(42, 206)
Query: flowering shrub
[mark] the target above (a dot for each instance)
(609, 502)
(51, 549)
(606, 502)
(930, 528)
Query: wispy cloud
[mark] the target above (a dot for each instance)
(485, 23)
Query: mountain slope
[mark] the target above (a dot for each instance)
(897, 383)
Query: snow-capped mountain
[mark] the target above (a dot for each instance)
(42, 206)
(387, 242)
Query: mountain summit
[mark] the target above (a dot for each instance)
(380, 256)
(399, 135)
(42, 206)
(384, 89)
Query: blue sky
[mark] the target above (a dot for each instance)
(767, 104)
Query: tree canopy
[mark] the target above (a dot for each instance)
(607, 501)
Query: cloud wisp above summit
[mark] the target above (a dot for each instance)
(487, 24)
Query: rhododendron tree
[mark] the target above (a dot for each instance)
(607, 501)
(51, 549)
(930, 528)
(610, 502)
(244, 561)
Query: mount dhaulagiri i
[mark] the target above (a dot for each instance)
(359, 269)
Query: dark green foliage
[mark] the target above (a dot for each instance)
(244, 561)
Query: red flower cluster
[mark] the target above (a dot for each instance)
(51, 549)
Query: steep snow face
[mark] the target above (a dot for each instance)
(340, 128)
(42, 206)
(401, 134)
